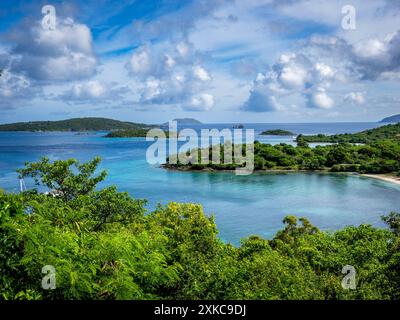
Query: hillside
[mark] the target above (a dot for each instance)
(393, 119)
(390, 131)
(76, 124)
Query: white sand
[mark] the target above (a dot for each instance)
(384, 177)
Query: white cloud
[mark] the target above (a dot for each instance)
(319, 99)
(140, 63)
(202, 102)
(261, 98)
(62, 54)
(201, 74)
(14, 89)
(171, 73)
(291, 74)
(94, 90)
(324, 71)
(355, 98)
(89, 90)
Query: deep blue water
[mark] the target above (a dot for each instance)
(243, 205)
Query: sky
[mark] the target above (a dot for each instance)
(218, 61)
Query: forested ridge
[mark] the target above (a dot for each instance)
(389, 132)
(76, 124)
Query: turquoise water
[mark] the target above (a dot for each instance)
(243, 205)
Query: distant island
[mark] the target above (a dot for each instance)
(75, 124)
(277, 132)
(390, 131)
(130, 133)
(394, 119)
(184, 121)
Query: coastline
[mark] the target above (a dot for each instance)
(384, 177)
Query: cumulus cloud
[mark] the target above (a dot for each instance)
(36, 57)
(377, 58)
(368, 59)
(62, 54)
(262, 95)
(292, 73)
(355, 98)
(93, 90)
(310, 72)
(15, 88)
(318, 98)
(171, 73)
(202, 102)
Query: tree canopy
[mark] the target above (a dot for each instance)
(103, 244)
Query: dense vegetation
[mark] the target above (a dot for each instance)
(390, 131)
(104, 245)
(77, 124)
(377, 157)
(131, 133)
(277, 132)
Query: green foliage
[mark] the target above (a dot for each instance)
(378, 157)
(381, 156)
(103, 245)
(390, 131)
(61, 179)
(277, 132)
(130, 133)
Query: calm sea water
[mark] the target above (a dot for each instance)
(243, 205)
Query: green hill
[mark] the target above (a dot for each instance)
(390, 132)
(76, 124)
(394, 119)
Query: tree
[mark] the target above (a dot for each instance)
(337, 155)
(66, 179)
(393, 221)
(301, 142)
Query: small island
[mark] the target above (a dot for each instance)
(131, 133)
(277, 132)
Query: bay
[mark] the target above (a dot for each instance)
(242, 205)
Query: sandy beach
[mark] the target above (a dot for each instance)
(385, 177)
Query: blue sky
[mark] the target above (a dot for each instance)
(214, 60)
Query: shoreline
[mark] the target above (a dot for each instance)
(383, 177)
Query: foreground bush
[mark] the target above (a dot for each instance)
(104, 245)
